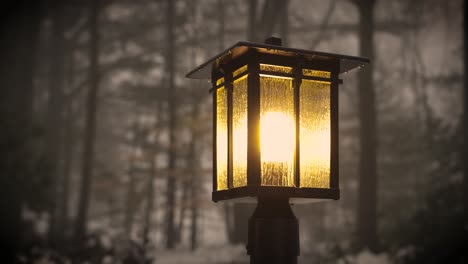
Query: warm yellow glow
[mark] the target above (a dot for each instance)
(275, 68)
(277, 131)
(277, 137)
(276, 77)
(315, 73)
(221, 138)
(314, 134)
(239, 132)
(277, 145)
(315, 158)
(239, 71)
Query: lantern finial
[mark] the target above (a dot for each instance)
(273, 41)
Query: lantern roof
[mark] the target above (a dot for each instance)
(203, 71)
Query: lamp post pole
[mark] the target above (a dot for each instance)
(273, 232)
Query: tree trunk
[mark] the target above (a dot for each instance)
(367, 212)
(193, 168)
(221, 31)
(252, 23)
(192, 159)
(150, 192)
(266, 24)
(130, 199)
(194, 207)
(241, 213)
(171, 180)
(182, 210)
(54, 116)
(68, 149)
(221, 23)
(194, 220)
(321, 228)
(465, 109)
(229, 219)
(149, 201)
(194, 213)
(90, 127)
(273, 14)
(19, 29)
(284, 24)
(66, 171)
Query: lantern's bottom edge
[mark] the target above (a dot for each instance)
(249, 194)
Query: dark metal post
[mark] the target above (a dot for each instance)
(273, 232)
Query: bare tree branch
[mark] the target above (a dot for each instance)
(323, 25)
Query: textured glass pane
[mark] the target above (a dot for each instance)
(239, 71)
(315, 73)
(239, 132)
(277, 131)
(315, 134)
(275, 68)
(221, 138)
(220, 81)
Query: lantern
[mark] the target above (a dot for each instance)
(275, 127)
(275, 120)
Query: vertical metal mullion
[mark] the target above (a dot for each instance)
(296, 86)
(253, 122)
(215, 116)
(229, 87)
(334, 146)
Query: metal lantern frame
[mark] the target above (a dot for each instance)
(224, 64)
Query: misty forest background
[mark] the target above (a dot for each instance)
(106, 146)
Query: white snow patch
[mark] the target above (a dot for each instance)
(366, 257)
(219, 255)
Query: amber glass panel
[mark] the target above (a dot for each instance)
(315, 73)
(239, 71)
(275, 68)
(314, 132)
(239, 132)
(221, 138)
(277, 131)
(220, 81)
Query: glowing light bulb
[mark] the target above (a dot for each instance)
(277, 137)
(277, 141)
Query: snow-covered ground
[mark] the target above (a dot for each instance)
(222, 254)
(365, 257)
